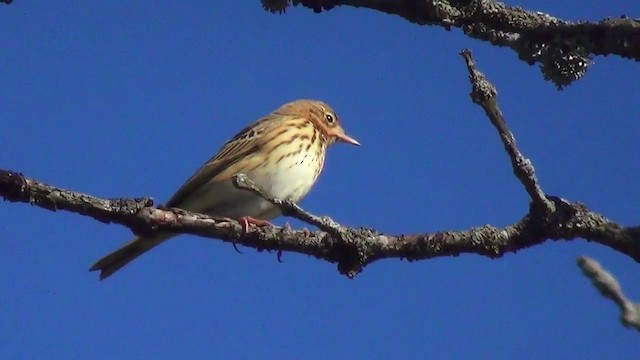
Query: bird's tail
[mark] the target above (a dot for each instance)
(127, 253)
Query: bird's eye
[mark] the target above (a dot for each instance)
(329, 118)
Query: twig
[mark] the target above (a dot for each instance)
(289, 208)
(484, 94)
(610, 288)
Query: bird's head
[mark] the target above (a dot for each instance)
(322, 116)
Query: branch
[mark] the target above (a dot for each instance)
(610, 288)
(484, 94)
(562, 48)
(353, 249)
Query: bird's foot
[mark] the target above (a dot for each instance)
(305, 231)
(245, 221)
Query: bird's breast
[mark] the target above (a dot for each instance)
(290, 172)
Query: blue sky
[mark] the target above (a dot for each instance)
(129, 98)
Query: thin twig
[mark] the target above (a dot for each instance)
(610, 288)
(289, 208)
(484, 94)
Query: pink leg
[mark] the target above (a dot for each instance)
(246, 220)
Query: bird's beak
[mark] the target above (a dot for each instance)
(347, 139)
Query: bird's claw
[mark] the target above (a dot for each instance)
(235, 247)
(245, 221)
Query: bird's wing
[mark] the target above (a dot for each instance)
(247, 141)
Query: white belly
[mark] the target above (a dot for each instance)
(293, 179)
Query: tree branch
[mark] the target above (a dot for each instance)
(610, 288)
(562, 48)
(484, 94)
(353, 249)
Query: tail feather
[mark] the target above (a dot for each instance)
(127, 253)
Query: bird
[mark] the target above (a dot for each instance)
(283, 153)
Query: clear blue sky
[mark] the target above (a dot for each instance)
(129, 98)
